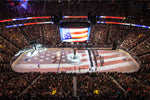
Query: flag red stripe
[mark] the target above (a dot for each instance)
(78, 37)
(81, 32)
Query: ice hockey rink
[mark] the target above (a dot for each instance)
(59, 60)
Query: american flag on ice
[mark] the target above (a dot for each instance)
(49, 62)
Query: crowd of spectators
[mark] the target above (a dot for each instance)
(4, 67)
(60, 86)
(48, 83)
(145, 63)
(134, 87)
(13, 36)
(135, 36)
(88, 83)
(105, 34)
(12, 84)
(142, 48)
(7, 47)
(4, 58)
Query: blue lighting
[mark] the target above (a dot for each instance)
(138, 25)
(24, 4)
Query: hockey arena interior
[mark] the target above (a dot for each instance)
(74, 49)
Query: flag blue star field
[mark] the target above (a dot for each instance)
(74, 34)
(66, 34)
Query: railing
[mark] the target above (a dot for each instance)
(131, 54)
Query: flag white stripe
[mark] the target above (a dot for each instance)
(114, 59)
(108, 54)
(73, 40)
(76, 35)
(129, 63)
(78, 29)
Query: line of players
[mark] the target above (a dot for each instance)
(96, 55)
(101, 58)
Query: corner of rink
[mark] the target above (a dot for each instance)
(138, 63)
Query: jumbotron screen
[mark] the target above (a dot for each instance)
(74, 34)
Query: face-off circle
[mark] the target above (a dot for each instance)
(73, 59)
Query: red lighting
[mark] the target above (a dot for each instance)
(5, 20)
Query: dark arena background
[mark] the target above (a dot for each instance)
(74, 49)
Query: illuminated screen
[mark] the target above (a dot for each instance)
(74, 34)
